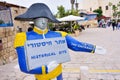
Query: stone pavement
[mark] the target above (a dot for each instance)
(83, 66)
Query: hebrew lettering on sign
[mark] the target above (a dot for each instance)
(43, 51)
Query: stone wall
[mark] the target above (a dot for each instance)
(7, 35)
(7, 54)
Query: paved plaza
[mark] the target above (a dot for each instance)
(83, 66)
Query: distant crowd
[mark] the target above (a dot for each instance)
(107, 23)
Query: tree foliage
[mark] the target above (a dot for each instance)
(99, 11)
(115, 8)
(62, 13)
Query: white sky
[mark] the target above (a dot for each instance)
(52, 4)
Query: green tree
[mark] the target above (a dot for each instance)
(116, 12)
(114, 8)
(99, 11)
(61, 11)
(74, 12)
(67, 12)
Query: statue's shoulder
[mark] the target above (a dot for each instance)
(20, 39)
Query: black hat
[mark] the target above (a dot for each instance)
(37, 10)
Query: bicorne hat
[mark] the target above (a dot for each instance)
(37, 10)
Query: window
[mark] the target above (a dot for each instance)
(100, 7)
(106, 7)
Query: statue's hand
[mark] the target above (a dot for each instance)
(52, 65)
(100, 50)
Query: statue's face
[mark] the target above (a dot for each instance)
(41, 23)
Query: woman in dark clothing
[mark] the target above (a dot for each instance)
(113, 24)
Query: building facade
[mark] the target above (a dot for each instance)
(91, 5)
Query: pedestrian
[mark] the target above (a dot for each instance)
(40, 14)
(103, 23)
(100, 23)
(108, 23)
(118, 24)
(113, 24)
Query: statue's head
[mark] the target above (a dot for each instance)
(41, 23)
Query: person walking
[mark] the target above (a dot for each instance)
(118, 24)
(113, 24)
(108, 23)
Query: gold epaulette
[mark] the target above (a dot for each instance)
(20, 39)
(63, 33)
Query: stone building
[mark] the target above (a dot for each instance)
(8, 29)
(90, 5)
